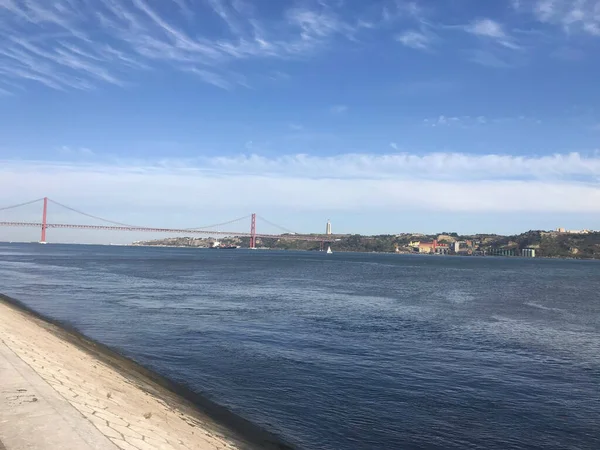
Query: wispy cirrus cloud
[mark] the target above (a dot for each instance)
(417, 40)
(472, 121)
(213, 78)
(339, 109)
(69, 44)
(462, 121)
(84, 44)
(490, 29)
(399, 9)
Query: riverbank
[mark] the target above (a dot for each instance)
(131, 406)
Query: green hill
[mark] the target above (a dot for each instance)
(547, 244)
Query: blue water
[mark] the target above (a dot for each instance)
(346, 351)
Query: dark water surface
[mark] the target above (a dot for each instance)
(346, 351)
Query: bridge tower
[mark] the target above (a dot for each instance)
(44, 222)
(253, 231)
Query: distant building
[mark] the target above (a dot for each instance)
(563, 230)
(463, 247)
(426, 247)
(433, 247)
(502, 252)
(528, 252)
(328, 228)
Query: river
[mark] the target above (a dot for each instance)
(345, 351)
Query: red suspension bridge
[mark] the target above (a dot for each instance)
(211, 230)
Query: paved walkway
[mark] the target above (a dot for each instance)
(34, 416)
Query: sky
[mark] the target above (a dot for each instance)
(385, 116)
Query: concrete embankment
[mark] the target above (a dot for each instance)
(59, 389)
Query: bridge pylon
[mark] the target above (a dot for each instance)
(253, 231)
(44, 221)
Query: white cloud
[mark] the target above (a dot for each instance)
(472, 121)
(545, 9)
(400, 9)
(353, 182)
(228, 15)
(572, 15)
(443, 120)
(394, 145)
(414, 39)
(463, 121)
(488, 28)
(185, 8)
(339, 109)
(51, 42)
(314, 25)
(212, 78)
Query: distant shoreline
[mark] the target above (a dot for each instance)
(369, 253)
(566, 258)
(240, 431)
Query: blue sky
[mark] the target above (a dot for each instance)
(383, 115)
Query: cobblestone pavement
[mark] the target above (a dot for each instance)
(130, 417)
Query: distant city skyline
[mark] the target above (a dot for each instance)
(385, 116)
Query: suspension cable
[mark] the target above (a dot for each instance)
(94, 217)
(219, 224)
(21, 204)
(276, 226)
(134, 226)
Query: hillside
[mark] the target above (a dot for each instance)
(547, 244)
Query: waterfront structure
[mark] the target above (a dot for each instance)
(426, 247)
(528, 252)
(502, 252)
(433, 247)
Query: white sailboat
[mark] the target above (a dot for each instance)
(329, 252)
